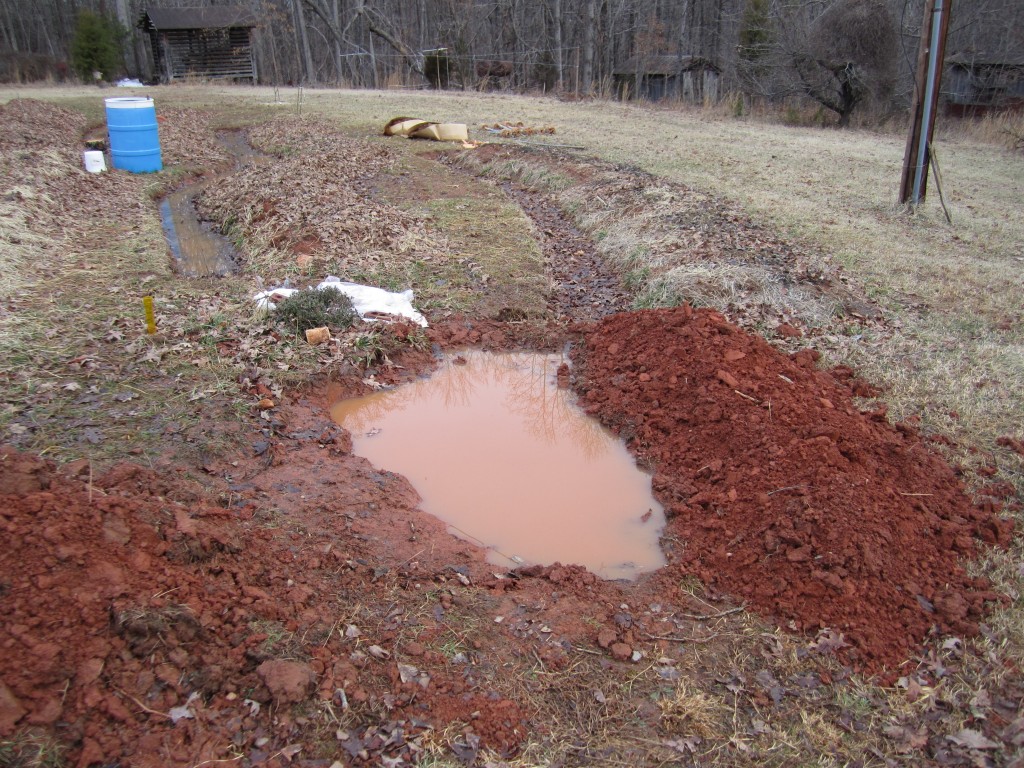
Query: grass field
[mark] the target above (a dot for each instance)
(948, 349)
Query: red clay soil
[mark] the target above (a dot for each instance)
(781, 492)
(125, 594)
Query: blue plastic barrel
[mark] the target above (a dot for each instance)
(134, 142)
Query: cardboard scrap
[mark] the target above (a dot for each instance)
(316, 336)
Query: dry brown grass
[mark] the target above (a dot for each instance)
(1001, 129)
(952, 342)
(20, 236)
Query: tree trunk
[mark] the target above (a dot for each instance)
(336, 47)
(136, 57)
(513, 43)
(378, 28)
(421, 23)
(12, 39)
(681, 48)
(307, 56)
(611, 32)
(588, 46)
(638, 56)
(556, 11)
(373, 65)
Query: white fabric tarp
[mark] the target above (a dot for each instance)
(367, 300)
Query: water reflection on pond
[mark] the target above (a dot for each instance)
(506, 458)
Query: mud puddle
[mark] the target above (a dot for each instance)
(199, 250)
(505, 457)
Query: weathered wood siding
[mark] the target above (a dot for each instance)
(212, 53)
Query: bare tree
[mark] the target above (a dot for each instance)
(378, 25)
(849, 55)
(837, 52)
(589, 36)
(555, 11)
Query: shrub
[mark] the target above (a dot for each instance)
(315, 308)
(96, 46)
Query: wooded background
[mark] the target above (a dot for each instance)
(828, 50)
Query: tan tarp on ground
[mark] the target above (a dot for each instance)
(414, 128)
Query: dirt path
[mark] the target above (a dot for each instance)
(584, 287)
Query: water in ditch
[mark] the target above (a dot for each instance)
(199, 250)
(506, 458)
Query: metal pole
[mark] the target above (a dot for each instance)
(917, 194)
(933, 41)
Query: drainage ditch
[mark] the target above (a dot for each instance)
(198, 248)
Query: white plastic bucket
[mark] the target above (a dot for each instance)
(95, 162)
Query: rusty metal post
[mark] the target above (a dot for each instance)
(926, 99)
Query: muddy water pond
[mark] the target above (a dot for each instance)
(506, 458)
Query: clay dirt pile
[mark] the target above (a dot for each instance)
(146, 625)
(780, 492)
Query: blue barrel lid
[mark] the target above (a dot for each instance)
(129, 102)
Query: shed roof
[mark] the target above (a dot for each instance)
(664, 64)
(968, 57)
(220, 17)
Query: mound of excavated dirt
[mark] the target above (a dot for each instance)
(31, 124)
(151, 629)
(781, 492)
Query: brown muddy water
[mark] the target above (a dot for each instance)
(199, 250)
(507, 459)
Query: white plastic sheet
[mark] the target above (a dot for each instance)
(267, 300)
(367, 300)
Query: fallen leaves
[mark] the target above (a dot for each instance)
(183, 712)
(311, 199)
(829, 641)
(509, 130)
(379, 653)
(410, 674)
(972, 739)
(907, 738)
(393, 743)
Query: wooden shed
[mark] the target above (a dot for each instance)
(977, 83)
(201, 42)
(691, 78)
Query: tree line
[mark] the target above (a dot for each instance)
(839, 53)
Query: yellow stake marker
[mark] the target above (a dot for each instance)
(147, 302)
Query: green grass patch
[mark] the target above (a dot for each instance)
(315, 308)
(31, 749)
(493, 242)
